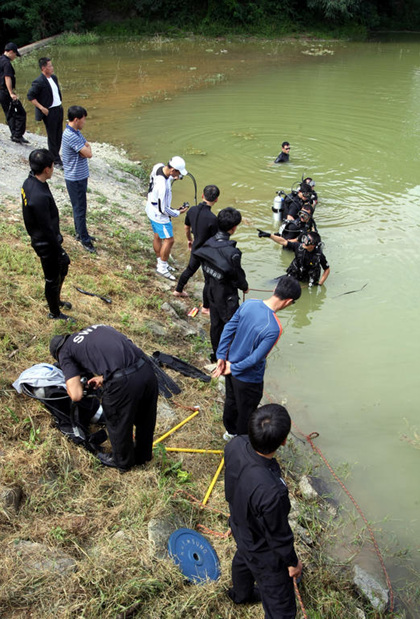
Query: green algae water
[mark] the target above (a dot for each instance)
(346, 363)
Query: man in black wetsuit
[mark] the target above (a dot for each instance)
(283, 157)
(221, 261)
(12, 107)
(203, 224)
(294, 201)
(40, 215)
(292, 230)
(259, 507)
(129, 388)
(308, 260)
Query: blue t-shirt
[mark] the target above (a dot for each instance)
(75, 166)
(247, 339)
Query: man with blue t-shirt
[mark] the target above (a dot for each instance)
(246, 341)
(75, 153)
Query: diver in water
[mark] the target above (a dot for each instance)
(283, 156)
(293, 229)
(294, 201)
(308, 260)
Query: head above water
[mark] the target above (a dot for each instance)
(311, 241)
(57, 343)
(211, 193)
(39, 159)
(285, 147)
(287, 288)
(268, 428)
(228, 218)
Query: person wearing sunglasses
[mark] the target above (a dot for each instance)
(283, 157)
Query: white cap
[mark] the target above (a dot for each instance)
(178, 164)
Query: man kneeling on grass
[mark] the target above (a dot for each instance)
(259, 507)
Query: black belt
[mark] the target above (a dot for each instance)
(127, 371)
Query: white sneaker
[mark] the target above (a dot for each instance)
(166, 274)
(228, 437)
(171, 268)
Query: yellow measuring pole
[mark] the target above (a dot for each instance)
(158, 440)
(213, 481)
(195, 451)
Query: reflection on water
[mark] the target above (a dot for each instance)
(345, 363)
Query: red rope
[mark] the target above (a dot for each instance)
(316, 449)
(187, 408)
(297, 592)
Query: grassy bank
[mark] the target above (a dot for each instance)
(96, 516)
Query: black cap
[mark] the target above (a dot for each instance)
(56, 344)
(12, 47)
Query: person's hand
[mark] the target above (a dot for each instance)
(45, 110)
(219, 370)
(183, 209)
(190, 245)
(262, 234)
(295, 571)
(13, 97)
(96, 382)
(227, 368)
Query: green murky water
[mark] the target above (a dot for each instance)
(346, 364)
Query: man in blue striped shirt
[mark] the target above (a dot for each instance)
(75, 153)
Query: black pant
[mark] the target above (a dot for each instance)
(223, 303)
(275, 585)
(131, 401)
(241, 400)
(55, 267)
(54, 127)
(192, 267)
(15, 120)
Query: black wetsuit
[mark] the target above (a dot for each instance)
(306, 265)
(203, 225)
(282, 158)
(221, 261)
(130, 388)
(16, 119)
(40, 215)
(259, 507)
(295, 228)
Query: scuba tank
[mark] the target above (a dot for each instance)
(277, 207)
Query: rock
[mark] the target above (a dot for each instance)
(10, 498)
(165, 413)
(179, 307)
(169, 310)
(360, 614)
(306, 488)
(159, 532)
(377, 595)
(37, 558)
(185, 329)
(155, 328)
(210, 367)
(301, 532)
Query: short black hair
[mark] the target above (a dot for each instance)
(39, 159)
(287, 288)
(305, 188)
(228, 218)
(285, 144)
(211, 193)
(268, 426)
(314, 238)
(76, 111)
(43, 62)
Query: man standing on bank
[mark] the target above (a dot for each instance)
(246, 341)
(45, 95)
(203, 224)
(76, 152)
(42, 223)
(12, 107)
(129, 388)
(259, 507)
(159, 211)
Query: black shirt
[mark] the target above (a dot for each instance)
(307, 260)
(6, 70)
(259, 502)
(99, 350)
(282, 158)
(221, 259)
(40, 213)
(203, 223)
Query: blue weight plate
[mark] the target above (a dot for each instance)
(194, 555)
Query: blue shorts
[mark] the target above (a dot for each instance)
(164, 231)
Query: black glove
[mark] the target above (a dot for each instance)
(262, 234)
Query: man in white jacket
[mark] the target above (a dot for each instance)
(159, 210)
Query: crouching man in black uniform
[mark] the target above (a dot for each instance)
(308, 260)
(221, 261)
(42, 223)
(259, 507)
(129, 388)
